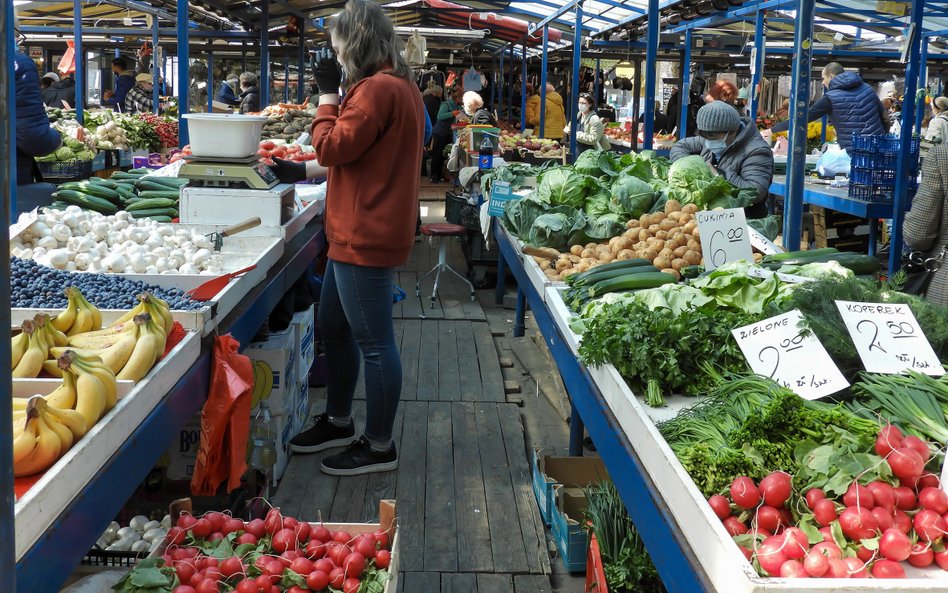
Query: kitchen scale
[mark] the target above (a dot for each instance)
(218, 172)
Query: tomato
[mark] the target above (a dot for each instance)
(302, 566)
(278, 152)
(216, 519)
(720, 506)
(256, 527)
(208, 586)
(325, 565)
(247, 586)
(232, 566)
(273, 522)
(351, 586)
(263, 153)
(365, 545)
(337, 577)
(267, 145)
(317, 580)
(246, 538)
(887, 569)
(186, 521)
(202, 528)
(383, 558)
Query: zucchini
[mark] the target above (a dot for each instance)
(615, 273)
(860, 264)
(171, 182)
(168, 195)
(148, 213)
(148, 185)
(84, 200)
(149, 203)
(92, 189)
(631, 282)
(139, 172)
(161, 218)
(691, 271)
(614, 265)
(57, 205)
(779, 257)
(106, 182)
(119, 176)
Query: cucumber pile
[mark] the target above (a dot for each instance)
(860, 263)
(618, 276)
(140, 194)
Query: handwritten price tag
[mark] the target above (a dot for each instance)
(762, 243)
(775, 348)
(24, 222)
(500, 194)
(889, 339)
(724, 237)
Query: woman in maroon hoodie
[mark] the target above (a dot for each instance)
(371, 144)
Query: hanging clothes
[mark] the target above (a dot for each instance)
(415, 49)
(472, 80)
(430, 78)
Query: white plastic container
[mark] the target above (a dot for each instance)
(224, 135)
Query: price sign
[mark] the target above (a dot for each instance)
(24, 222)
(889, 339)
(777, 349)
(762, 243)
(788, 278)
(500, 194)
(724, 237)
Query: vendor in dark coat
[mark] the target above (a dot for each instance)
(124, 81)
(249, 93)
(34, 136)
(63, 89)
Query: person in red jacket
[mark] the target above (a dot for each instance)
(371, 144)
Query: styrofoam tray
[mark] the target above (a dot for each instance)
(39, 507)
(286, 231)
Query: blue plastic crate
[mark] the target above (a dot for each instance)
(870, 193)
(874, 177)
(870, 160)
(882, 144)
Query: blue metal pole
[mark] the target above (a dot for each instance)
(540, 133)
(497, 91)
(80, 61)
(523, 88)
(210, 82)
(760, 43)
(154, 65)
(184, 74)
(286, 82)
(7, 210)
(651, 73)
(800, 98)
(574, 88)
(922, 84)
(596, 83)
(685, 90)
(265, 54)
(301, 64)
(510, 85)
(906, 164)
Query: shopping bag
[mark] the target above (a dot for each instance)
(68, 62)
(225, 420)
(835, 161)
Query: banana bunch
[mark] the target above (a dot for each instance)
(130, 347)
(79, 316)
(30, 347)
(262, 382)
(44, 428)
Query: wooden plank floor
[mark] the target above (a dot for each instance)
(467, 514)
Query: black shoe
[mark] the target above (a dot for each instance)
(360, 459)
(323, 435)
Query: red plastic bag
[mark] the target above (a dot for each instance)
(68, 62)
(225, 421)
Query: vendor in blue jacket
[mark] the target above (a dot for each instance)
(851, 105)
(124, 81)
(34, 136)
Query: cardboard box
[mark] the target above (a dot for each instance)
(275, 370)
(301, 411)
(305, 324)
(209, 205)
(558, 484)
(183, 451)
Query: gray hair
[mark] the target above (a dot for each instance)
(368, 39)
(833, 69)
(472, 101)
(248, 80)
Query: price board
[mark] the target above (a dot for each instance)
(500, 194)
(889, 339)
(777, 348)
(724, 237)
(24, 222)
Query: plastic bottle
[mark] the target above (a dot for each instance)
(486, 154)
(263, 456)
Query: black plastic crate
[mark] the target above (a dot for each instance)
(97, 557)
(65, 169)
(457, 210)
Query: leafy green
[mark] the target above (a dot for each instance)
(835, 465)
(600, 228)
(563, 186)
(513, 173)
(631, 197)
(598, 203)
(150, 575)
(520, 214)
(817, 270)
(677, 298)
(597, 163)
(554, 228)
(731, 286)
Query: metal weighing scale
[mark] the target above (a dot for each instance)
(219, 172)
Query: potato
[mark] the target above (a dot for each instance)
(640, 246)
(580, 267)
(668, 224)
(551, 274)
(667, 254)
(758, 257)
(689, 208)
(644, 220)
(613, 241)
(671, 271)
(692, 257)
(656, 218)
(632, 234)
(633, 224)
(588, 253)
(686, 218)
(694, 245)
(676, 215)
(678, 237)
(650, 254)
(562, 264)
(626, 254)
(659, 244)
(606, 258)
(673, 245)
(545, 264)
(576, 249)
(661, 262)
(672, 206)
(644, 235)
(590, 245)
(575, 259)
(696, 234)
(652, 229)
(661, 235)
(678, 264)
(689, 227)
(604, 248)
(567, 273)
(681, 251)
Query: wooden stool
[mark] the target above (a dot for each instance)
(442, 230)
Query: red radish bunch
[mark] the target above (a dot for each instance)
(878, 525)
(283, 555)
(289, 152)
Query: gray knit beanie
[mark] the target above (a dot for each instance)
(718, 116)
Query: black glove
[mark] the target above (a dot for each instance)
(288, 171)
(327, 72)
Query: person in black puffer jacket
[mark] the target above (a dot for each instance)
(34, 136)
(850, 103)
(62, 90)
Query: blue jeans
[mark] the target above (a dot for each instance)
(355, 318)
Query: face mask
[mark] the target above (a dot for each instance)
(583, 108)
(717, 147)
